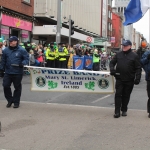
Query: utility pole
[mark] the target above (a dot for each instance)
(58, 33)
(69, 29)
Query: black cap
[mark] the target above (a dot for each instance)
(13, 38)
(126, 43)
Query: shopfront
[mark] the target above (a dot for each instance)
(11, 26)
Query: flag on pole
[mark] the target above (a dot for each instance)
(135, 10)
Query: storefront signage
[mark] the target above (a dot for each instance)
(25, 35)
(16, 22)
(52, 79)
(4, 31)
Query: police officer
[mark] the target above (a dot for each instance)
(96, 58)
(13, 60)
(50, 55)
(145, 61)
(62, 53)
(126, 68)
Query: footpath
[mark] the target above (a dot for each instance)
(37, 126)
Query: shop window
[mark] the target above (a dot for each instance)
(4, 32)
(25, 36)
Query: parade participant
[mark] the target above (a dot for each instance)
(13, 60)
(1, 52)
(127, 73)
(145, 61)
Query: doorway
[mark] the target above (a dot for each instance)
(15, 32)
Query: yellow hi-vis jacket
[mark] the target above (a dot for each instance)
(50, 54)
(62, 52)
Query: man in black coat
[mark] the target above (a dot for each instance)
(126, 68)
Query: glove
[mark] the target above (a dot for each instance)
(1, 73)
(148, 57)
(113, 72)
(136, 82)
(21, 65)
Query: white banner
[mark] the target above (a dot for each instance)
(68, 80)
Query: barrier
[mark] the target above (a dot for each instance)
(78, 62)
(88, 62)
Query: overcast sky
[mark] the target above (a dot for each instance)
(142, 25)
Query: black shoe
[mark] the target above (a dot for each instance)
(9, 104)
(16, 106)
(124, 113)
(117, 115)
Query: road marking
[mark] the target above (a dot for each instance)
(54, 98)
(100, 99)
(72, 105)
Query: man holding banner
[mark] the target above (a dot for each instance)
(13, 59)
(126, 68)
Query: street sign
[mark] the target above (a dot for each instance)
(89, 39)
(112, 40)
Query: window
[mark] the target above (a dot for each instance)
(27, 1)
(25, 36)
(4, 32)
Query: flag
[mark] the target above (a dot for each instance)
(135, 10)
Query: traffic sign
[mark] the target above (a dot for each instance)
(89, 39)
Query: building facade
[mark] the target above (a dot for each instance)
(117, 31)
(120, 6)
(90, 20)
(16, 19)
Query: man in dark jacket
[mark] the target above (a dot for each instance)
(126, 68)
(145, 61)
(13, 59)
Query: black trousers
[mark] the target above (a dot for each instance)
(16, 80)
(62, 64)
(51, 63)
(122, 95)
(148, 94)
(96, 66)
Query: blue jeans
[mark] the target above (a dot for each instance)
(37, 63)
(16, 80)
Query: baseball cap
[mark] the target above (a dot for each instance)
(126, 43)
(13, 38)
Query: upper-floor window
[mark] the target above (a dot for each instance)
(27, 1)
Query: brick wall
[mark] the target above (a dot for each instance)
(19, 6)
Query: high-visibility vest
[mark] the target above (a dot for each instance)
(62, 52)
(51, 54)
(95, 58)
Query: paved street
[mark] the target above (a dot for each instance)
(68, 121)
(138, 97)
(42, 126)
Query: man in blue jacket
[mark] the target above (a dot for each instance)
(145, 61)
(13, 60)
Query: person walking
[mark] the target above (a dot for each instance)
(145, 62)
(14, 58)
(126, 68)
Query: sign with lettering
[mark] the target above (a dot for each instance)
(67, 80)
(16, 22)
